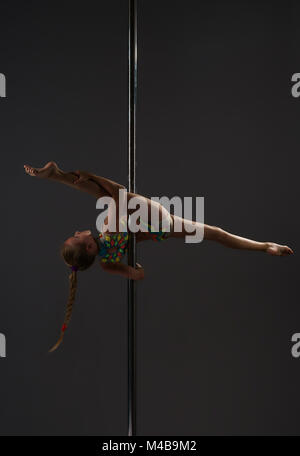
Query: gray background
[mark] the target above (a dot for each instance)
(215, 118)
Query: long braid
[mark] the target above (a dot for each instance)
(72, 293)
(80, 260)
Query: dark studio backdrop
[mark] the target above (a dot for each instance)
(215, 118)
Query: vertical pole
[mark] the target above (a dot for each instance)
(132, 92)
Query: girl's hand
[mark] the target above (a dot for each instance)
(279, 250)
(140, 272)
(124, 270)
(83, 176)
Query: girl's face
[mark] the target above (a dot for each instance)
(86, 238)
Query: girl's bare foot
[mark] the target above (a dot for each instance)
(42, 173)
(276, 249)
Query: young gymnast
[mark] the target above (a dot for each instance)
(109, 246)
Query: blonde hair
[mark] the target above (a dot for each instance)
(79, 259)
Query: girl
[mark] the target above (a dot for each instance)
(80, 250)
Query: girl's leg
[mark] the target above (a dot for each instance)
(154, 212)
(214, 233)
(52, 172)
(111, 187)
(184, 228)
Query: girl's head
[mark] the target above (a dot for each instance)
(79, 249)
(79, 252)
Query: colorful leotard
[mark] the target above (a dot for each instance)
(157, 236)
(119, 241)
(113, 240)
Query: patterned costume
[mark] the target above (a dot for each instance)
(119, 241)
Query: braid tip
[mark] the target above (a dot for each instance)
(57, 344)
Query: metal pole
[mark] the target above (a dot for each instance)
(132, 92)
